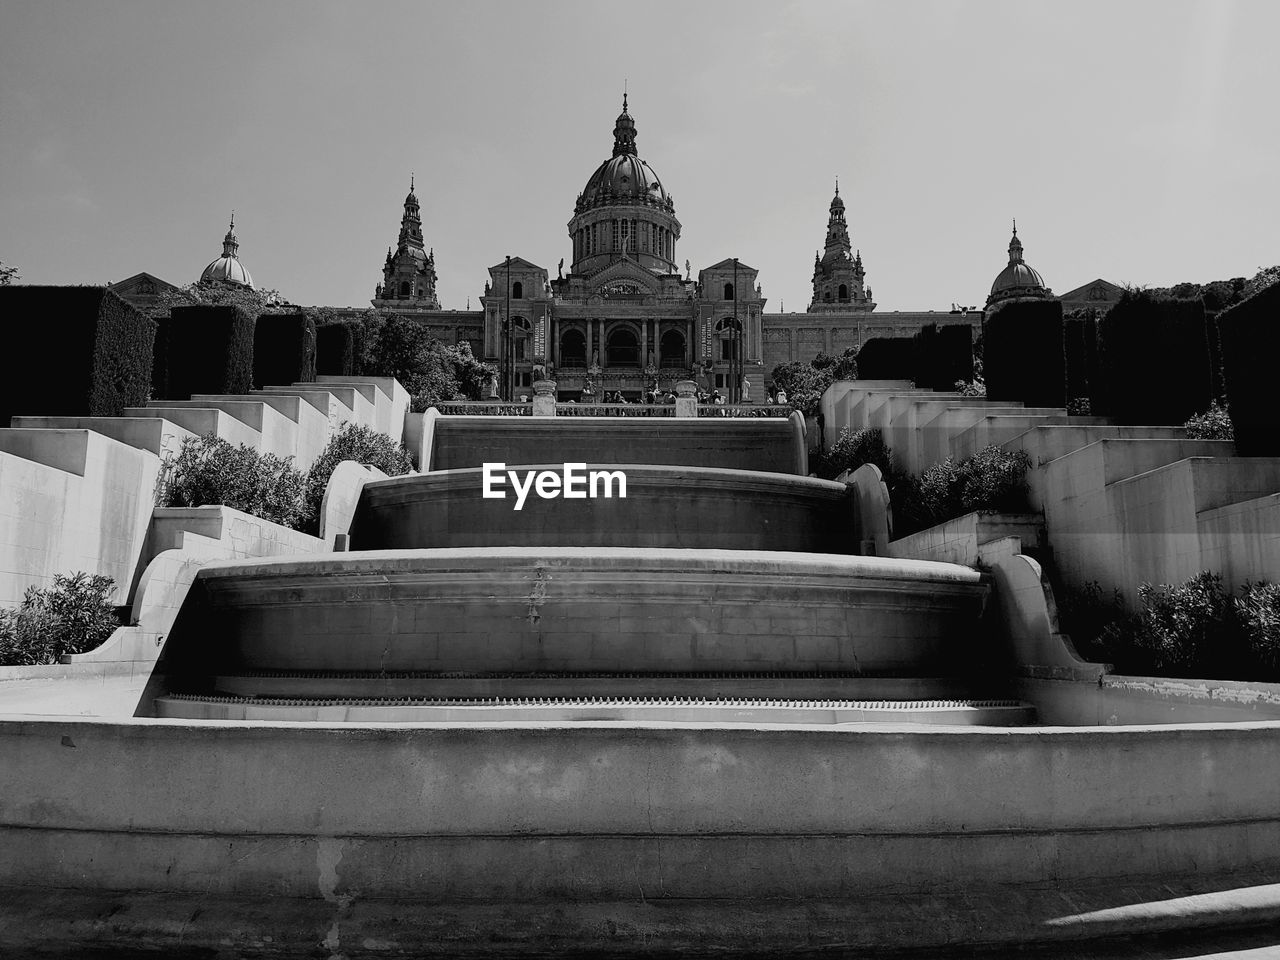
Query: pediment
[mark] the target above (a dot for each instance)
(623, 278)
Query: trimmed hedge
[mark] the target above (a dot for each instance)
(209, 350)
(74, 351)
(1154, 361)
(1023, 357)
(335, 350)
(284, 349)
(1080, 343)
(1250, 336)
(887, 358)
(943, 356)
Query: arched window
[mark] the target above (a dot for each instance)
(404, 288)
(573, 349)
(517, 291)
(622, 349)
(843, 294)
(728, 291)
(826, 295)
(671, 349)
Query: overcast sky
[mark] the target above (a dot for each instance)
(1133, 141)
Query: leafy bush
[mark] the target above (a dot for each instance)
(72, 616)
(992, 479)
(335, 350)
(971, 388)
(1213, 424)
(1183, 627)
(448, 373)
(1250, 341)
(1024, 353)
(852, 450)
(1257, 611)
(353, 442)
(803, 383)
(209, 470)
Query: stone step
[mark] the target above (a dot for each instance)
(202, 421)
(278, 434)
(153, 434)
(474, 685)
(693, 709)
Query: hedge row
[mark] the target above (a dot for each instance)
(335, 350)
(284, 349)
(1023, 357)
(1153, 361)
(1250, 337)
(206, 350)
(943, 356)
(74, 351)
(887, 358)
(1080, 346)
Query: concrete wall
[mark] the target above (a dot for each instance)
(1115, 700)
(694, 507)
(960, 540)
(581, 610)
(71, 500)
(1126, 511)
(731, 443)
(589, 813)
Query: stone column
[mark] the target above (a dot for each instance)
(644, 341)
(544, 398)
(686, 398)
(591, 325)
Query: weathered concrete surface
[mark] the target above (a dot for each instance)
(599, 820)
(1118, 699)
(664, 507)
(766, 444)
(577, 609)
(1170, 919)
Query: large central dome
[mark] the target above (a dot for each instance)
(624, 210)
(624, 177)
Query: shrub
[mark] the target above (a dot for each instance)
(209, 470)
(971, 388)
(992, 479)
(852, 450)
(888, 358)
(84, 352)
(448, 373)
(1213, 424)
(284, 349)
(72, 616)
(1154, 360)
(944, 355)
(353, 442)
(1183, 627)
(335, 350)
(1023, 353)
(209, 349)
(1250, 339)
(1257, 611)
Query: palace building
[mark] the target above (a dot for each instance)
(622, 316)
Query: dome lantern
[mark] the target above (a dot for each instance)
(228, 268)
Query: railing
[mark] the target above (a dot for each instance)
(744, 410)
(615, 410)
(483, 408)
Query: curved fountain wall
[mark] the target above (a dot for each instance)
(665, 506)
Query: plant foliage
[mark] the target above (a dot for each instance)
(353, 442)
(1213, 424)
(209, 470)
(72, 616)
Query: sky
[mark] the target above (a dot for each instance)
(1134, 141)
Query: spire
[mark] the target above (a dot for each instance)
(624, 132)
(1015, 246)
(410, 222)
(837, 227)
(231, 246)
(837, 186)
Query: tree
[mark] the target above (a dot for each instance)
(253, 302)
(8, 274)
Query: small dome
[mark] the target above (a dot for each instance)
(1016, 279)
(227, 268)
